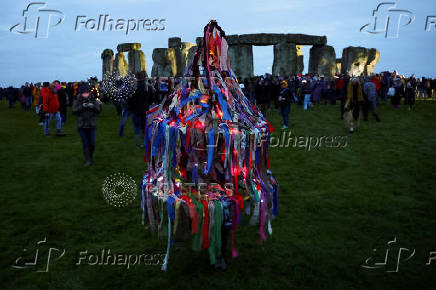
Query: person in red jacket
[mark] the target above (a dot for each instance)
(50, 107)
(376, 80)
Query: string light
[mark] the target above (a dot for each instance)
(119, 189)
(117, 87)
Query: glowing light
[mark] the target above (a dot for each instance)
(219, 112)
(198, 125)
(235, 131)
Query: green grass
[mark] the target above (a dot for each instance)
(335, 206)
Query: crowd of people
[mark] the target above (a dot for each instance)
(358, 96)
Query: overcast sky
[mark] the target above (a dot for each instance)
(75, 55)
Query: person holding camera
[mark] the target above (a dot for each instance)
(86, 107)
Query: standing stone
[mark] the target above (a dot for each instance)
(373, 58)
(120, 64)
(164, 62)
(285, 59)
(233, 53)
(322, 60)
(187, 53)
(136, 60)
(300, 60)
(241, 60)
(124, 47)
(359, 60)
(338, 65)
(175, 43)
(108, 61)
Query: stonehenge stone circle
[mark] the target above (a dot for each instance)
(338, 65)
(288, 59)
(187, 52)
(176, 43)
(285, 59)
(359, 60)
(373, 58)
(300, 60)
(164, 62)
(322, 60)
(172, 61)
(288, 56)
(136, 59)
(108, 61)
(125, 47)
(120, 64)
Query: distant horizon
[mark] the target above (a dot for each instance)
(70, 55)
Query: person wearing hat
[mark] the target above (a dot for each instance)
(87, 108)
(285, 103)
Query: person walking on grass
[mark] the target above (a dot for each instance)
(284, 100)
(63, 100)
(370, 91)
(87, 108)
(50, 107)
(352, 106)
(138, 105)
(27, 92)
(410, 93)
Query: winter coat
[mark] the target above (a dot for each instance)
(139, 102)
(86, 110)
(352, 99)
(377, 83)
(36, 95)
(27, 92)
(285, 97)
(62, 96)
(317, 92)
(370, 90)
(50, 102)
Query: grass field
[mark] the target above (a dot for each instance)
(335, 206)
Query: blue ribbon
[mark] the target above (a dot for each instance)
(195, 174)
(223, 104)
(173, 138)
(210, 150)
(170, 208)
(196, 95)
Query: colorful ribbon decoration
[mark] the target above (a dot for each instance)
(207, 154)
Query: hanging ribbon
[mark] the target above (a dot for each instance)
(210, 150)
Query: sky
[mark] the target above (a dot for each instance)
(68, 54)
